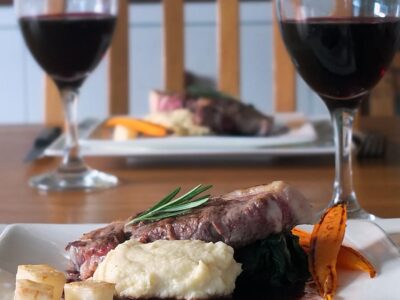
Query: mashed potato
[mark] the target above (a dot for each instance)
(180, 121)
(170, 269)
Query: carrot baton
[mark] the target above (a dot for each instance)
(141, 126)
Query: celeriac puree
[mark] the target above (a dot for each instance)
(170, 269)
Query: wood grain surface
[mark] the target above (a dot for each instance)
(228, 26)
(377, 182)
(173, 47)
(284, 89)
(118, 64)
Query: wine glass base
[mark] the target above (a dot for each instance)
(87, 180)
(358, 214)
(361, 214)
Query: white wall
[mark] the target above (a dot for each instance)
(21, 86)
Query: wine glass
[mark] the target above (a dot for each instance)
(341, 49)
(68, 38)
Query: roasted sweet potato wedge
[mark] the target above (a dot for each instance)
(351, 259)
(304, 238)
(348, 258)
(326, 239)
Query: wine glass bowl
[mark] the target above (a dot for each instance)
(68, 39)
(341, 49)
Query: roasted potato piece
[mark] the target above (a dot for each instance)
(93, 290)
(326, 239)
(122, 133)
(30, 290)
(43, 274)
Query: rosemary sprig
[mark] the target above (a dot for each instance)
(170, 207)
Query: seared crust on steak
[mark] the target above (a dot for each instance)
(238, 219)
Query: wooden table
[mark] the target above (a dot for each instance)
(377, 182)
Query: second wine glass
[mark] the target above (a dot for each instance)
(68, 38)
(341, 48)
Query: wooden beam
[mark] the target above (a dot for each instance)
(173, 49)
(118, 64)
(284, 74)
(53, 111)
(228, 47)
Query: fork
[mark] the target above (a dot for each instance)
(371, 146)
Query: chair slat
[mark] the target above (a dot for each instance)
(53, 113)
(382, 100)
(228, 47)
(284, 74)
(118, 64)
(118, 73)
(173, 48)
(56, 6)
(344, 8)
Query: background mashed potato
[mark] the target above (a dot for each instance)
(176, 269)
(180, 121)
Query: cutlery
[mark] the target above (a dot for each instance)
(371, 146)
(42, 141)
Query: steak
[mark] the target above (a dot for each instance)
(224, 115)
(238, 219)
(86, 253)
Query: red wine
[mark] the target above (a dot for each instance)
(342, 58)
(68, 46)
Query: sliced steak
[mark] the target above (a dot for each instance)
(224, 115)
(238, 219)
(86, 253)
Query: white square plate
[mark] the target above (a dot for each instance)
(312, 137)
(44, 243)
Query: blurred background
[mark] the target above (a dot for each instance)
(22, 84)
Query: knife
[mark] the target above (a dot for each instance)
(43, 140)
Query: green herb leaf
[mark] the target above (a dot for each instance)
(189, 205)
(170, 207)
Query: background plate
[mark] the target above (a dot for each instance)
(312, 138)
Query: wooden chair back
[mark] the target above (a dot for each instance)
(382, 99)
(228, 26)
(118, 70)
(228, 52)
(173, 56)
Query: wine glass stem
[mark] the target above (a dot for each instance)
(343, 190)
(72, 161)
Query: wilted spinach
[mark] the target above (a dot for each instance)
(277, 261)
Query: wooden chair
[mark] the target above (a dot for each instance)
(382, 97)
(173, 60)
(173, 56)
(118, 70)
